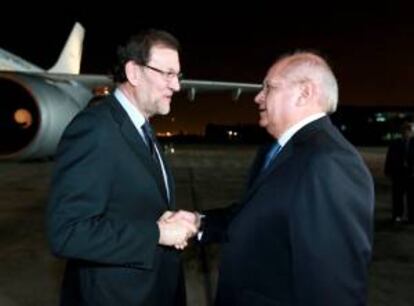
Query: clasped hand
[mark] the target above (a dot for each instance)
(176, 228)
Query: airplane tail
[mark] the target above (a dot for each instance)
(70, 58)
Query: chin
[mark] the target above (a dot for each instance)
(164, 107)
(263, 122)
(165, 110)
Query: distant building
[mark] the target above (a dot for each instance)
(370, 126)
(362, 126)
(241, 133)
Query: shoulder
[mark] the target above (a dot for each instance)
(89, 128)
(322, 143)
(329, 150)
(94, 117)
(85, 122)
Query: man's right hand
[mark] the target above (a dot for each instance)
(175, 232)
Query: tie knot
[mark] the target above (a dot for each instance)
(147, 128)
(148, 135)
(275, 148)
(272, 153)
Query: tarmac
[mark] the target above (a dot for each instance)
(206, 177)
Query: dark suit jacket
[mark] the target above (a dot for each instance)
(303, 233)
(106, 197)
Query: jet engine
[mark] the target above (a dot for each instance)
(34, 111)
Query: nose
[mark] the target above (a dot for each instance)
(175, 84)
(259, 97)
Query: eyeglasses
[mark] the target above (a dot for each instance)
(168, 75)
(266, 87)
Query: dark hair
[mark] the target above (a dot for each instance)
(138, 49)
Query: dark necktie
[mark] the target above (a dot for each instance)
(271, 154)
(150, 140)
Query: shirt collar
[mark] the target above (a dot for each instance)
(133, 113)
(284, 138)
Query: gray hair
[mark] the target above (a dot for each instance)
(304, 66)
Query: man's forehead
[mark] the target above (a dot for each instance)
(163, 54)
(274, 74)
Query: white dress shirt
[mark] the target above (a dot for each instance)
(138, 120)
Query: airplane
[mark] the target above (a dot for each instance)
(36, 105)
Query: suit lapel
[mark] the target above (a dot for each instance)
(137, 145)
(276, 163)
(287, 151)
(257, 164)
(170, 178)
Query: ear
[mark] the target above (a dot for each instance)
(307, 92)
(132, 73)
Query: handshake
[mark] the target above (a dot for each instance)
(176, 228)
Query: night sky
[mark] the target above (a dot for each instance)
(370, 47)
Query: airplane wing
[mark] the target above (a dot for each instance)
(193, 86)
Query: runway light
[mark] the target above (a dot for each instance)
(165, 134)
(101, 91)
(23, 117)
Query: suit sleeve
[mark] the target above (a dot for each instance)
(77, 224)
(331, 231)
(215, 223)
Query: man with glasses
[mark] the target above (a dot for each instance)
(112, 189)
(302, 234)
